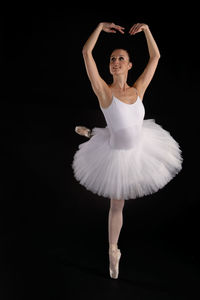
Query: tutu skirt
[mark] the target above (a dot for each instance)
(128, 174)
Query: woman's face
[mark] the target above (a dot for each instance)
(119, 62)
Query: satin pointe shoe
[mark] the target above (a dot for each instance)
(82, 130)
(114, 256)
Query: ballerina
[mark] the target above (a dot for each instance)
(130, 157)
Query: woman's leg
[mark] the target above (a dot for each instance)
(115, 222)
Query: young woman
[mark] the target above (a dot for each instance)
(131, 157)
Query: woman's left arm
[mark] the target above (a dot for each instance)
(145, 78)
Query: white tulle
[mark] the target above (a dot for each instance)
(130, 158)
(128, 173)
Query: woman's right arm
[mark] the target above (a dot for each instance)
(99, 86)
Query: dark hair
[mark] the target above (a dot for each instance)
(124, 50)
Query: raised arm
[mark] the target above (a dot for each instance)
(99, 86)
(145, 78)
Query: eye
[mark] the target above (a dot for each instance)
(112, 59)
(121, 58)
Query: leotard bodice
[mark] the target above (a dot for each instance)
(124, 122)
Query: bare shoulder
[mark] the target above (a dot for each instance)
(104, 96)
(133, 93)
(139, 89)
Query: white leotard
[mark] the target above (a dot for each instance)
(124, 122)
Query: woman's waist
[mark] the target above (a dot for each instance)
(125, 138)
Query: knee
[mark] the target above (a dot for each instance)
(116, 205)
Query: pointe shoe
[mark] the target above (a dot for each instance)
(82, 130)
(114, 255)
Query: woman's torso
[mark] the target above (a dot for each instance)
(124, 122)
(129, 95)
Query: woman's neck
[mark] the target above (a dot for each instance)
(119, 83)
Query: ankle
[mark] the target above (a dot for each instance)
(113, 247)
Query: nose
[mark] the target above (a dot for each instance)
(116, 62)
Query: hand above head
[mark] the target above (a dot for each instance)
(112, 28)
(138, 27)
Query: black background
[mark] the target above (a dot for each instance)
(53, 231)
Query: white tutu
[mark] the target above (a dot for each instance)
(128, 173)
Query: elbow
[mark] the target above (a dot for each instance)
(158, 55)
(85, 51)
(155, 57)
